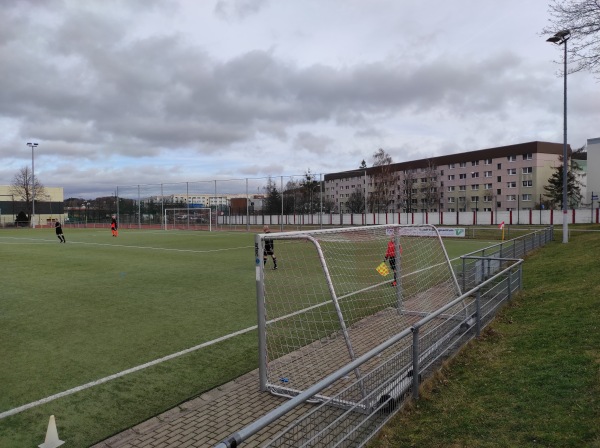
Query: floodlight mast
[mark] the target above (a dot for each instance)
(32, 146)
(561, 38)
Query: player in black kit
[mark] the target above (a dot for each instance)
(269, 249)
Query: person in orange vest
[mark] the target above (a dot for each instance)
(114, 227)
(390, 257)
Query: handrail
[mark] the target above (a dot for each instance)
(243, 434)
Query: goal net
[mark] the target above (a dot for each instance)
(188, 219)
(333, 298)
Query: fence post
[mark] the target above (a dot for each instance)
(478, 313)
(464, 274)
(415, 362)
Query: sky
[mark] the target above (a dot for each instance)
(128, 92)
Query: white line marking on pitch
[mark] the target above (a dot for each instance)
(127, 246)
(120, 374)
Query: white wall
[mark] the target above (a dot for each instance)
(593, 168)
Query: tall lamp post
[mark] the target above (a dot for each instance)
(32, 146)
(561, 38)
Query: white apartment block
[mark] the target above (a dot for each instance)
(197, 200)
(495, 179)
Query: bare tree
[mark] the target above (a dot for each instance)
(25, 188)
(408, 193)
(582, 19)
(356, 201)
(384, 182)
(431, 195)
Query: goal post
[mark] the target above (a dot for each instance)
(330, 300)
(188, 219)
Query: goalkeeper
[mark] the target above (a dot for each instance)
(269, 249)
(390, 257)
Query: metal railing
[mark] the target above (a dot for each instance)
(476, 266)
(493, 275)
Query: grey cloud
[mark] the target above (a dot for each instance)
(238, 9)
(316, 144)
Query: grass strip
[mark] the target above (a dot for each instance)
(532, 378)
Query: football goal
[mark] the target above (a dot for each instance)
(338, 293)
(188, 219)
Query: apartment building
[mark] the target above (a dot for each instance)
(503, 178)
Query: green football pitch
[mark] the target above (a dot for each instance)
(74, 313)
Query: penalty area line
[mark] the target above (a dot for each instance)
(65, 393)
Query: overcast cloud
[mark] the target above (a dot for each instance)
(156, 91)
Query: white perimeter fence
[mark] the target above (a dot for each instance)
(522, 217)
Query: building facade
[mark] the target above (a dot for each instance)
(505, 178)
(593, 169)
(49, 207)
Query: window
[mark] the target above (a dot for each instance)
(511, 197)
(499, 166)
(487, 173)
(526, 197)
(487, 186)
(528, 183)
(499, 191)
(474, 198)
(512, 171)
(512, 158)
(511, 184)
(463, 164)
(450, 200)
(451, 177)
(451, 210)
(487, 209)
(499, 179)
(423, 179)
(462, 188)
(451, 188)
(462, 176)
(488, 161)
(527, 170)
(475, 187)
(452, 166)
(475, 163)
(474, 175)
(487, 199)
(528, 156)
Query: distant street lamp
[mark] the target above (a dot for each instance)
(32, 146)
(561, 38)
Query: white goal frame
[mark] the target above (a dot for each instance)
(325, 294)
(188, 219)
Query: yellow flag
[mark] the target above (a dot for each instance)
(383, 269)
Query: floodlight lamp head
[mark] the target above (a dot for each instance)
(560, 38)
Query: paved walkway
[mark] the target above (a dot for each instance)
(218, 413)
(208, 419)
